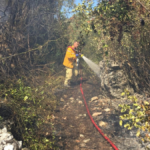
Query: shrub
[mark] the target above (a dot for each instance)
(26, 108)
(136, 114)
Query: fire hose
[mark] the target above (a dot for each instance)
(92, 120)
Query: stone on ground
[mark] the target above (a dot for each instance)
(107, 109)
(96, 114)
(86, 140)
(103, 124)
(94, 98)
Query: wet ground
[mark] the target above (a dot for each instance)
(75, 131)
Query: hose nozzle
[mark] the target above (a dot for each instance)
(82, 55)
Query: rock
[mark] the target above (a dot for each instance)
(96, 108)
(77, 117)
(7, 141)
(80, 115)
(96, 114)
(65, 118)
(80, 102)
(107, 109)
(72, 101)
(77, 99)
(65, 96)
(133, 133)
(94, 98)
(19, 144)
(101, 100)
(101, 123)
(64, 106)
(1, 147)
(129, 143)
(106, 100)
(46, 133)
(71, 98)
(82, 144)
(86, 140)
(4, 130)
(113, 78)
(81, 135)
(61, 99)
(84, 115)
(9, 147)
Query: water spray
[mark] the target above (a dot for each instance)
(91, 64)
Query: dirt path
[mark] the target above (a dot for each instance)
(74, 130)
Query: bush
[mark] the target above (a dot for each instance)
(26, 108)
(136, 114)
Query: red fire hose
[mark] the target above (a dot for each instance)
(100, 131)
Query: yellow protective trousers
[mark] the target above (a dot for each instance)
(69, 74)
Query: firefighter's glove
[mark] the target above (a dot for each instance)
(77, 55)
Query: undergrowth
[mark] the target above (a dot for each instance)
(28, 112)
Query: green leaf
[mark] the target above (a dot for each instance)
(138, 133)
(130, 111)
(25, 98)
(36, 89)
(135, 104)
(46, 140)
(123, 110)
(127, 125)
(122, 94)
(120, 122)
(137, 120)
(138, 107)
(121, 117)
(42, 92)
(146, 103)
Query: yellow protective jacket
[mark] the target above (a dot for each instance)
(70, 57)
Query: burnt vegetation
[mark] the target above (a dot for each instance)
(30, 33)
(32, 45)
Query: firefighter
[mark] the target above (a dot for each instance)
(70, 63)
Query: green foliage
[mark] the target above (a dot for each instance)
(1, 118)
(26, 106)
(118, 24)
(135, 114)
